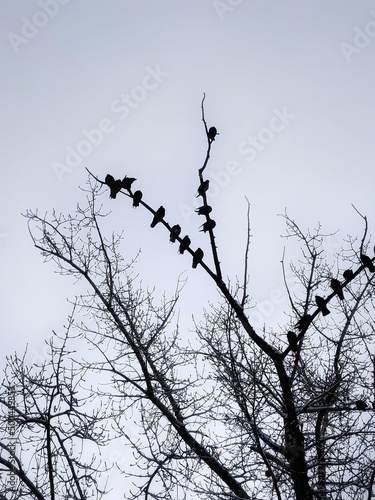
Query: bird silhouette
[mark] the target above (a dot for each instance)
(321, 303)
(159, 215)
(137, 196)
(212, 133)
(175, 231)
(360, 404)
(292, 339)
(203, 188)
(197, 257)
(114, 185)
(127, 182)
(204, 210)
(184, 244)
(348, 274)
(304, 322)
(367, 262)
(109, 179)
(208, 225)
(336, 287)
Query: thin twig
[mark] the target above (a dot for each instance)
(246, 277)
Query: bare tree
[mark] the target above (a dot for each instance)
(242, 413)
(49, 428)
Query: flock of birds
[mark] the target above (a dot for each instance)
(116, 185)
(321, 303)
(337, 287)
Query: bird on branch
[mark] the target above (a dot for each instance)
(159, 215)
(203, 188)
(208, 225)
(127, 182)
(321, 303)
(304, 323)
(337, 288)
(204, 210)
(114, 185)
(348, 274)
(197, 257)
(175, 231)
(367, 262)
(212, 133)
(184, 245)
(137, 196)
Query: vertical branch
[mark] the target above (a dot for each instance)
(245, 277)
(209, 221)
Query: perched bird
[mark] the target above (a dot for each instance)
(304, 323)
(321, 303)
(127, 182)
(184, 244)
(208, 225)
(159, 215)
(348, 274)
(212, 133)
(197, 257)
(292, 339)
(114, 186)
(360, 404)
(204, 210)
(175, 231)
(336, 287)
(109, 180)
(137, 196)
(203, 188)
(367, 262)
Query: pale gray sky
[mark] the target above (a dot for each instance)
(289, 86)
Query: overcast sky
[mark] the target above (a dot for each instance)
(117, 85)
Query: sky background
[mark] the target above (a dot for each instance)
(70, 68)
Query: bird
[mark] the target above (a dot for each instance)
(203, 188)
(127, 182)
(109, 179)
(159, 215)
(137, 196)
(204, 210)
(197, 257)
(292, 339)
(321, 303)
(212, 133)
(367, 262)
(114, 185)
(360, 404)
(336, 287)
(304, 322)
(208, 225)
(348, 274)
(184, 244)
(175, 231)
